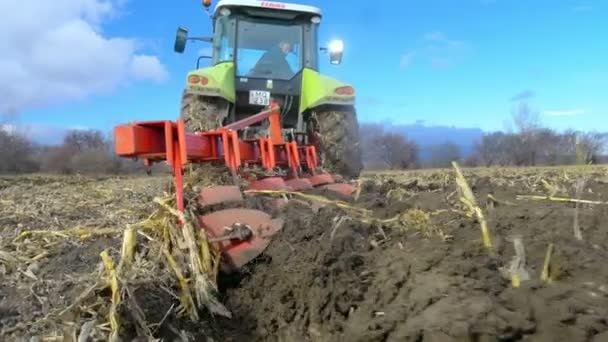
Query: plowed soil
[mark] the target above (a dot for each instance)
(328, 276)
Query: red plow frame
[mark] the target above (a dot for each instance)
(157, 141)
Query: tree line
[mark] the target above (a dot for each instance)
(82, 151)
(528, 144)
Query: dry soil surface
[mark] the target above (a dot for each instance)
(331, 275)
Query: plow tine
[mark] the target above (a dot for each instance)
(219, 194)
(237, 253)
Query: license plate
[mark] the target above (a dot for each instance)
(259, 97)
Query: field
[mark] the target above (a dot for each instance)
(405, 261)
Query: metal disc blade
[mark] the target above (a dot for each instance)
(235, 254)
(321, 179)
(271, 183)
(299, 184)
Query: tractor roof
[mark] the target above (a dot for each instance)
(272, 5)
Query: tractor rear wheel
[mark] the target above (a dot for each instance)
(339, 148)
(202, 113)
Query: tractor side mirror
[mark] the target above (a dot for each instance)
(336, 51)
(180, 39)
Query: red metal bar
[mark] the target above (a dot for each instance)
(293, 158)
(276, 135)
(165, 140)
(244, 123)
(178, 177)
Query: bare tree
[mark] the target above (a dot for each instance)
(82, 140)
(525, 119)
(386, 150)
(396, 151)
(17, 152)
(590, 146)
(443, 155)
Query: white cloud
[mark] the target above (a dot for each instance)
(148, 68)
(571, 112)
(406, 59)
(55, 51)
(40, 133)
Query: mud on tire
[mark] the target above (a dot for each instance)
(339, 141)
(202, 113)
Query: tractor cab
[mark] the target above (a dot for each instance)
(260, 36)
(269, 44)
(265, 52)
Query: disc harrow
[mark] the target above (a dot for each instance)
(241, 233)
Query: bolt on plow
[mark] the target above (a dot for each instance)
(290, 164)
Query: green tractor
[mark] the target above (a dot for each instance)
(265, 52)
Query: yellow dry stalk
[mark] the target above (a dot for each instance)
(79, 232)
(550, 188)
(358, 191)
(469, 200)
(417, 219)
(515, 282)
(557, 199)
(112, 282)
(128, 249)
(206, 255)
(396, 194)
(204, 288)
(314, 198)
(546, 273)
(186, 300)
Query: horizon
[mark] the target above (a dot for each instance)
(102, 63)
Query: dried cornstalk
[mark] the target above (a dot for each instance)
(575, 225)
(557, 199)
(518, 264)
(200, 263)
(469, 200)
(186, 301)
(128, 249)
(112, 281)
(546, 275)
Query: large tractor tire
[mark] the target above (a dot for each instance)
(339, 141)
(202, 113)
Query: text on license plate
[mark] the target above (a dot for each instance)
(259, 97)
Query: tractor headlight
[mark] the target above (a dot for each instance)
(336, 46)
(336, 49)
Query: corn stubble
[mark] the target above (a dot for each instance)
(155, 252)
(180, 260)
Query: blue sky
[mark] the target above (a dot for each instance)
(462, 63)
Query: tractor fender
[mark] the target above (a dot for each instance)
(319, 90)
(214, 81)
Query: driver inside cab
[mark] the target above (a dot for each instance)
(273, 64)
